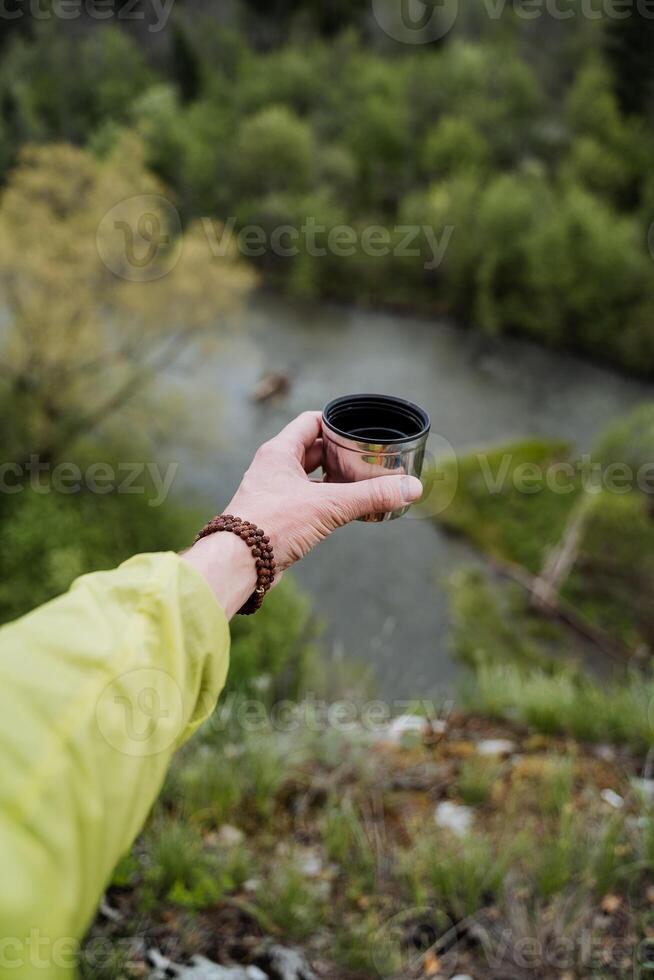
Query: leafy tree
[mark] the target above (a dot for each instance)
(629, 45)
(185, 63)
(98, 293)
(454, 144)
(51, 100)
(275, 151)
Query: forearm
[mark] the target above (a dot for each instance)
(97, 689)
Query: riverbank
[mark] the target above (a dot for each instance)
(391, 615)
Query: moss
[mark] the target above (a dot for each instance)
(489, 507)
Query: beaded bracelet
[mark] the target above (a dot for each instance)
(262, 553)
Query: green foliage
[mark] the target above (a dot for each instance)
(566, 702)
(347, 843)
(60, 103)
(271, 656)
(494, 626)
(48, 538)
(513, 505)
(179, 866)
(628, 440)
(292, 902)
(613, 585)
(476, 779)
(556, 785)
(532, 158)
(504, 501)
(460, 875)
(559, 856)
(275, 152)
(453, 145)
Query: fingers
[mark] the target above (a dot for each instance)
(382, 493)
(313, 457)
(299, 435)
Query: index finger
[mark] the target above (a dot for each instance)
(300, 434)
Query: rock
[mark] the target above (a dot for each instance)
(229, 836)
(462, 976)
(605, 752)
(455, 818)
(107, 912)
(310, 863)
(201, 969)
(404, 725)
(496, 746)
(612, 798)
(288, 964)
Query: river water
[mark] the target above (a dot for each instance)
(380, 586)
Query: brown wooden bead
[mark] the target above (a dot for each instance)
(262, 552)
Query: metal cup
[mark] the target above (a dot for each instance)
(371, 435)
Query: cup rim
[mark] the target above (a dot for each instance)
(384, 400)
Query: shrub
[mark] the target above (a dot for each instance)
(275, 150)
(453, 145)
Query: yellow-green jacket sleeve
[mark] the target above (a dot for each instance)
(97, 690)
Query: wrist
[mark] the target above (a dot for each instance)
(226, 562)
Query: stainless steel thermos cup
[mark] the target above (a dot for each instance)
(371, 435)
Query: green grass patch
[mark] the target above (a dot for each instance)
(502, 501)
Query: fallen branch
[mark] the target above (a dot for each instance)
(552, 605)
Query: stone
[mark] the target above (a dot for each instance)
(201, 968)
(455, 818)
(405, 725)
(310, 863)
(409, 728)
(612, 798)
(496, 746)
(229, 836)
(288, 964)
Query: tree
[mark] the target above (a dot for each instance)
(100, 291)
(629, 43)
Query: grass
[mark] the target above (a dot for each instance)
(567, 703)
(459, 876)
(295, 904)
(477, 777)
(347, 843)
(612, 579)
(488, 506)
(540, 832)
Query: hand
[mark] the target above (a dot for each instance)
(294, 511)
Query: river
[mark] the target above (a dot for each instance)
(380, 586)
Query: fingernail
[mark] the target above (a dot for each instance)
(411, 489)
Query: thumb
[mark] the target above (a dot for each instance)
(374, 496)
